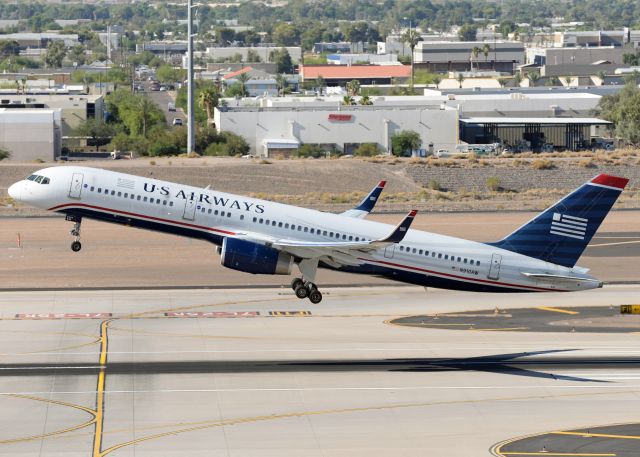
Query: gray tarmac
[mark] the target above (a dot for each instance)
(257, 372)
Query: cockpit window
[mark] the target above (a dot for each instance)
(39, 179)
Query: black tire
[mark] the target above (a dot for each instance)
(76, 246)
(315, 296)
(302, 292)
(297, 282)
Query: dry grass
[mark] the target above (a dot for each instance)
(543, 164)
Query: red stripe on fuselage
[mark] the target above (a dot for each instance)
(465, 279)
(199, 227)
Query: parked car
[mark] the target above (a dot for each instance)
(440, 153)
(171, 106)
(177, 121)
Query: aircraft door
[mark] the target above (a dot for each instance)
(388, 251)
(494, 270)
(75, 190)
(189, 209)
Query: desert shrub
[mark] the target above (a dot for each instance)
(4, 154)
(310, 150)
(543, 164)
(493, 183)
(434, 185)
(587, 163)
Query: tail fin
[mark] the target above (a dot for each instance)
(561, 233)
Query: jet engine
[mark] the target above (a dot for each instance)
(254, 258)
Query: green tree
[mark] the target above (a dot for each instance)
(281, 84)
(468, 32)
(283, 61)
(517, 79)
(4, 154)
(412, 38)
(486, 49)
(168, 74)
(286, 35)
(353, 87)
(76, 54)
(253, 56)
(209, 99)
(404, 142)
(98, 131)
(475, 52)
(368, 150)
(533, 78)
(55, 54)
(623, 109)
(630, 59)
(460, 79)
(9, 48)
(601, 76)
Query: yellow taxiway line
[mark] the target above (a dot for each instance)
(557, 310)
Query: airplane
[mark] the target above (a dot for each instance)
(262, 237)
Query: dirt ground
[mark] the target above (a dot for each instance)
(115, 256)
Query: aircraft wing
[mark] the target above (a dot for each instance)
(334, 252)
(366, 205)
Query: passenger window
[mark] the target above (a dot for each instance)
(145, 199)
(126, 195)
(331, 234)
(464, 260)
(414, 250)
(477, 262)
(306, 229)
(312, 231)
(324, 233)
(273, 223)
(255, 219)
(261, 220)
(357, 238)
(92, 188)
(426, 253)
(113, 192)
(420, 252)
(170, 203)
(446, 257)
(164, 202)
(350, 237)
(280, 224)
(228, 214)
(133, 197)
(242, 217)
(209, 211)
(119, 194)
(440, 255)
(402, 248)
(266, 221)
(286, 226)
(299, 228)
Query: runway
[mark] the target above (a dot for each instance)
(257, 372)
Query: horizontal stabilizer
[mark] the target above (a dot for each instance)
(558, 278)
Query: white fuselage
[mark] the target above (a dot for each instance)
(421, 258)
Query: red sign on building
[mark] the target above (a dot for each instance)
(340, 117)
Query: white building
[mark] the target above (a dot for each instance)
(31, 134)
(352, 59)
(216, 53)
(445, 56)
(342, 127)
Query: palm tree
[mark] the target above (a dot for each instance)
(485, 50)
(208, 100)
(320, 84)
(411, 37)
(475, 51)
(242, 79)
(436, 80)
(281, 84)
(517, 79)
(348, 100)
(568, 80)
(365, 100)
(533, 78)
(601, 75)
(460, 79)
(503, 81)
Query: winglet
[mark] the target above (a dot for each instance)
(401, 230)
(367, 203)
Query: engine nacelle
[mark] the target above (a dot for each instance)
(254, 258)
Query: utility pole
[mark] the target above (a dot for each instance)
(190, 87)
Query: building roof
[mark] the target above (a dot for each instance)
(233, 74)
(534, 120)
(355, 71)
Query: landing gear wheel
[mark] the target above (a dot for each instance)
(76, 246)
(297, 282)
(302, 292)
(315, 296)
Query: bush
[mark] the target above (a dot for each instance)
(587, 163)
(4, 154)
(367, 150)
(543, 164)
(434, 185)
(402, 143)
(227, 144)
(310, 150)
(493, 183)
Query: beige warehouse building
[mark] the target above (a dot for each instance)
(31, 134)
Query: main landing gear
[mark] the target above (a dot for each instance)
(306, 290)
(75, 232)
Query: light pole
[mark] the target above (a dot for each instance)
(190, 88)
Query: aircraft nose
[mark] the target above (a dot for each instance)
(15, 191)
